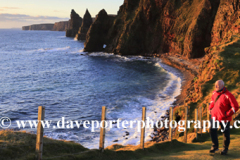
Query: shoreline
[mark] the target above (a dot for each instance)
(189, 69)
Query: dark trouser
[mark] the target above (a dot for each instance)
(226, 135)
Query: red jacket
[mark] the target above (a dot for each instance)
(225, 106)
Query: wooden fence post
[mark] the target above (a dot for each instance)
(186, 116)
(170, 120)
(39, 140)
(196, 118)
(143, 128)
(200, 118)
(102, 129)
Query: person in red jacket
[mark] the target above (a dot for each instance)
(222, 106)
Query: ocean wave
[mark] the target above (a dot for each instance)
(118, 58)
(79, 51)
(53, 49)
(156, 107)
(61, 37)
(101, 54)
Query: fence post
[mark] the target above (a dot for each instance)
(143, 128)
(102, 129)
(39, 140)
(196, 118)
(170, 120)
(186, 115)
(200, 118)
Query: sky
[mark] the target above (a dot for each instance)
(18, 13)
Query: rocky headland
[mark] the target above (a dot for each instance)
(38, 27)
(61, 26)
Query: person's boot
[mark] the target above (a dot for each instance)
(224, 152)
(213, 150)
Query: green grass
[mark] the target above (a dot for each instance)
(21, 145)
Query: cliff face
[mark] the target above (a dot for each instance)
(227, 21)
(86, 23)
(38, 27)
(61, 26)
(219, 66)
(25, 27)
(75, 23)
(157, 26)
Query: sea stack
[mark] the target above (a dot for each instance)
(97, 34)
(87, 21)
(75, 23)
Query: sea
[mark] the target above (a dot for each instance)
(45, 68)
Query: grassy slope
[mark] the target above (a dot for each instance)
(18, 145)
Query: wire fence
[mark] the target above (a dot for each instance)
(40, 144)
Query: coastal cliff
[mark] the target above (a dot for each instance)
(38, 27)
(144, 27)
(61, 26)
(221, 60)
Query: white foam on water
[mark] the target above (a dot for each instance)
(61, 37)
(118, 58)
(50, 49)
(101, 54)
(155, 109)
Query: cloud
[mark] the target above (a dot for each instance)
(27, 18)
(7, 8)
